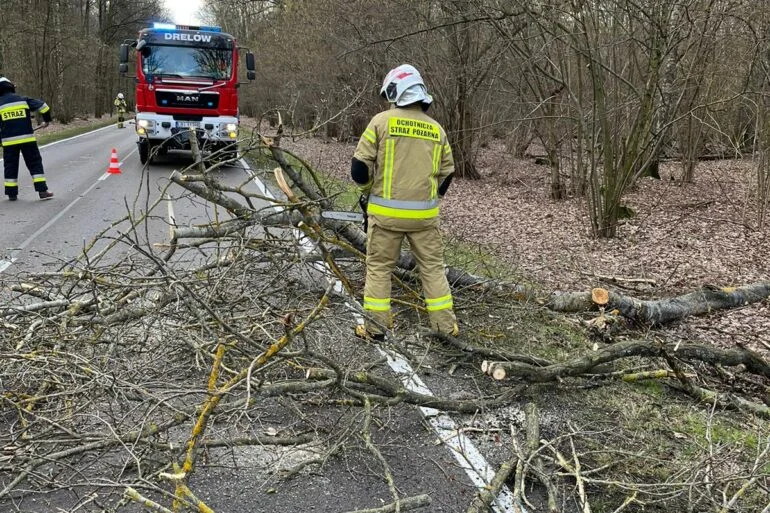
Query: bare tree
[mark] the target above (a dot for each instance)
(65, 51)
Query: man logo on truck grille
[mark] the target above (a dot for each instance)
(186, 98)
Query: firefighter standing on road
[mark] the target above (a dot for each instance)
(121, 107)
(404, 163)
(17, 137)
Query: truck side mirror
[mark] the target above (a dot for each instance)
(123, 68)
(250, 75)
(250, 62)
(123, 54)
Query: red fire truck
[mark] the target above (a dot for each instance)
(186, 85)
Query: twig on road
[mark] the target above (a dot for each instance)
(408, 504)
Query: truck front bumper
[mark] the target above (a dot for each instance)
(159, 127)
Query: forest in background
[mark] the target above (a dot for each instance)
(605, 90)
(141, 380)
(66, 51)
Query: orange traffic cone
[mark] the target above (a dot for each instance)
(114, 168)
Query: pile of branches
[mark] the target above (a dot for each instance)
(120, 370)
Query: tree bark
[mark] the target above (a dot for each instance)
(663, 311)
(486, 496)
(588, 363)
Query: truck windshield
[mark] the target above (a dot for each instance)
(186, 61)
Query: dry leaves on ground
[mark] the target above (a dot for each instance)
(682, 237)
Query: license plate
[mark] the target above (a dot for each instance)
(188, 124)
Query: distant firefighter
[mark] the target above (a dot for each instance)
(121, 107)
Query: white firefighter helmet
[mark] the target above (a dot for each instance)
(120, 96)
(404, 86)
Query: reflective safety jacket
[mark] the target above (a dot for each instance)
(16, 118)
(120, 105)
(408, 156)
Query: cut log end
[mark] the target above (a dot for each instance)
(600, 296)
(494, 369)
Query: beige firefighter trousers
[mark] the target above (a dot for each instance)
(383, 248)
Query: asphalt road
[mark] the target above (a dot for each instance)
(44, 235)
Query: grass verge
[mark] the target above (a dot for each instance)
(71, 132)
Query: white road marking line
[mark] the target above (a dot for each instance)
(462, 448)
(465, 452)
(55, 218)
(5, 264)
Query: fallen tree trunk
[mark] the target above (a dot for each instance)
(662, 311)
(585, 364)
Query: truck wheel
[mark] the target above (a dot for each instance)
(144, 151)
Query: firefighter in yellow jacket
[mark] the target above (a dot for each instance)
(404, 164)
(121, 107)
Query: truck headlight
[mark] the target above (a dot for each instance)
(145, 126)
(229, 130)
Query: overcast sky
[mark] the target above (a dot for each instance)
(184, 12)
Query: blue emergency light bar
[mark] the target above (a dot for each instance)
(171, 26)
